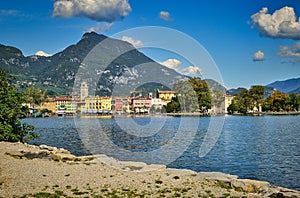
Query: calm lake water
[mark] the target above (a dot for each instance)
(254, 147)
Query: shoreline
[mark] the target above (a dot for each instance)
(188, 114)
(28, 170)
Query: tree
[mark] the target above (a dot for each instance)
(217, 98)
(193, 95)
(278, 101)
(294, 101)
(232, 108)
(173, 106)
(243, 101)
(11, 111)
(257, 95)
(35, 96)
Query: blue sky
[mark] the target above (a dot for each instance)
(251, 42)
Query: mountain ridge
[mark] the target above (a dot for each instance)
(114, 64)
(57, 72)
(287, 86)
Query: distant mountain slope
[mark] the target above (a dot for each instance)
(105, 63)
(287, 86)
(214, 85)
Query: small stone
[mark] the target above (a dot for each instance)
(61, 150)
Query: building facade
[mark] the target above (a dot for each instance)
(97, 105)
(166, 96)
(120, 105)
(141, 104)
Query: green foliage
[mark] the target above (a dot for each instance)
(294, 101)
(278, 101)
(193, 95)
(173, 106)
(11, 111)
(246, 100)
(35, 96)
(257, 95)
(232, 108)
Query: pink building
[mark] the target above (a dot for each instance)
(141, 104)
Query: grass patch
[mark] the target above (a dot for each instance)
(158, 182)
(44, 195)
(224, 185)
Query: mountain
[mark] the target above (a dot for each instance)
(214, 85)
(267, 92)
(287, 86)
(109, 66)
(236, 91)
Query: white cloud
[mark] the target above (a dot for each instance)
(290, 51)
(171, 63)
(98, 10)
(9, 12)
(101, 27)
(281, 24)
(258, 56)
(135, 43)
(42, 53)
(165, 15)
(176, 65)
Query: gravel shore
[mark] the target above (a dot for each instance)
(43, 171)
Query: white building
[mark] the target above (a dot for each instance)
(158, 103)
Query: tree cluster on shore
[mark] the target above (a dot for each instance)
(194, 95)
(248, 100)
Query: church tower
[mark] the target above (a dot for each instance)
(84, 91)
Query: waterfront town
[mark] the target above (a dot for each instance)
(85, 104)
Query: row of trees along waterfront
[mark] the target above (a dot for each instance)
(248, 100)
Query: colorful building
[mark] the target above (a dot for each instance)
(97, 105)
(165, 95)
(50, 105)
(141, 104)
(120, 105)
(66, 104)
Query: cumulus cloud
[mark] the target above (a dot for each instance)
(176, 65)
(290, 51)
(135, 43)
(281, 24)
(258, 56)
(165, 15)
(42, 53)
(100, 27)
(98, 10)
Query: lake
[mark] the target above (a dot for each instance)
(254, 147)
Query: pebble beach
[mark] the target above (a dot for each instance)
(43, 171)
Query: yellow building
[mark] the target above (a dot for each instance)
(50, 105)
(97, 105)
(165, 95)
